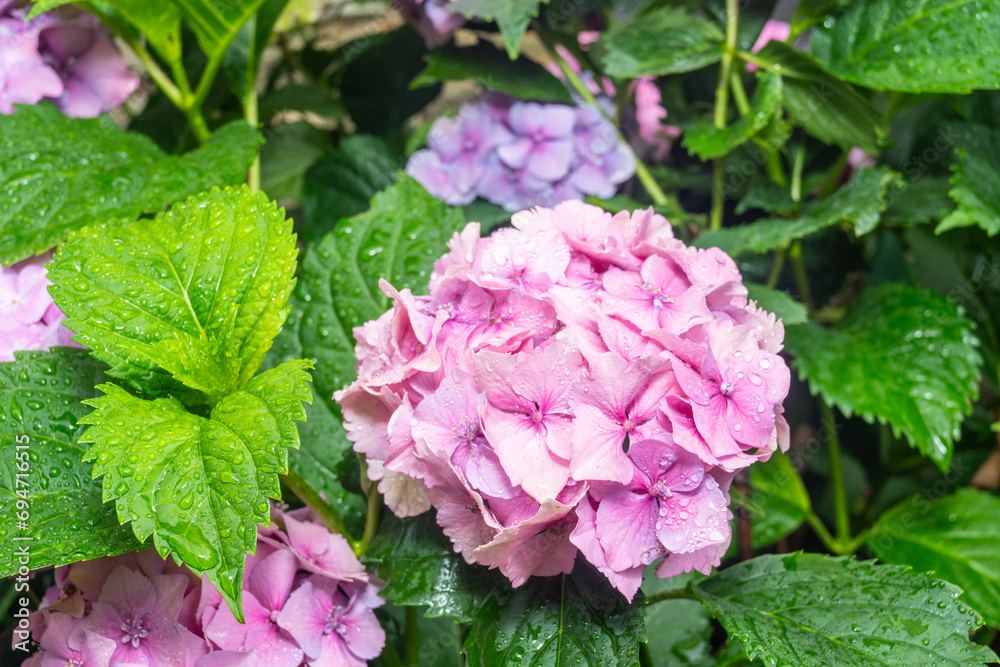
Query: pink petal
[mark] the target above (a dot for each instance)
(521, 447)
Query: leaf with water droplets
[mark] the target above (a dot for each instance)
(197, 293)
(561, 621)
(58, 174)
(663, 40)
(809, 610)
(975, 179)
(42, 471)
(903, 355)
(931, 46)
(199, 485)
(955, 537)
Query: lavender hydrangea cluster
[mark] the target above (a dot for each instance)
(307, 602)
(581, 382)
(69, 59)
(29, 318)
(520, 154)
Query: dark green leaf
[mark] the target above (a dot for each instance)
(343, 182)
(860, 202)
(976, 180)
(491, 69)
(780, 303)
(422, 568)
(709, 142)
(954, 537)
(777, 488)
(242, 59)
(289, 152)
(199, 292)
(41, 464)
(679, 631)
(809, 610)
(217, 22)
(661, 41)
(828, 108)
(302, 97)
(903, 355)
(565, 620)
(766, 195)
(922, 200)
(511, 16)
(199, 485)
(64, 173)
(934, 46)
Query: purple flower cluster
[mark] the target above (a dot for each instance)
(579, 382)
(68, 59)
(431, 18)
(29, 319)
(307, 601)
(522, 154)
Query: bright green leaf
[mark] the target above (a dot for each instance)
(422, 568)
(573, 620)
(809, 610)
(709, 142)
(65, 173)
(955, 537)
(199, 485)
(198, 292)
(511, 16)
(828, 108)
(934, 46)
(780, 303)
(489, 67)
(903, 355)
(976, 180)
(662, 41)
(860, 202)
(216, 22)
(242, 59)
(41, 464)
(777, 488)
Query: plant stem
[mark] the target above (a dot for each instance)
(779, 264)
(722, 107)
(801, 277)
(250, 108)
(412, 647)
(800, 161)
(371, 522)
(159, 77)
(718, 194)
(672, 594)
(842, 517)
(7, 600)
(315, 502)
(822, 533)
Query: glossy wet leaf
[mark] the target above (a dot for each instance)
(975, 180)
(661, 41)
(780, 303)
(902, 355)
(860, 202)
(565, 620)
(41, 396)
(58, 174)
(199, 292)
(815, 611)
(776, 487)
(955, 537)
(216, 23)
(511, 16)
(198, 485)
(709, 142)
(423, 569)
(930, 46)
(493, 70)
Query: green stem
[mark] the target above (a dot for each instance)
(159, 77)
(722, 108)
(371, 522)
(7, 600)
(779, 263)
(412, 647)
(645, 657)
(801, 277)
(315, 502)
(672, 594)
(739, 92)
(822, 533)
(756, 60)
(797, 167)
(250, 107)
(718, 194)
(842, 516)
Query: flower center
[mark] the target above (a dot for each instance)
(659, 298)
(726, 388)
(466, 430)
(333, 622)
(133, 632)
(662, 490)
(536, 416)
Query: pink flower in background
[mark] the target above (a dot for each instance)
(25, 78)
(772, 30)
(584, 382)
(29, 319)
(650, 114)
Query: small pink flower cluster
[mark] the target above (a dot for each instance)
(29, 319)
(583, 381)
(307, 600)
(70, 59)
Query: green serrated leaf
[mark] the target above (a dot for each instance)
(709, 142)
(780, 303)
(975, 180)
(489, 67)
(65, 173)
(860, 202)
(289, 152)
(199, 485)
(422, 568)
(934, 46)
(816, 611)
(661, 41)
(198, 292)
(217, 22)
(511, 16)
(916, 344)
(828, 108)
(954, 537)
(41, 469)
(342, 183)
(565, 620)
(775, 485)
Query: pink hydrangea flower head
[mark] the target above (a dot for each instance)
(29, 319)
(67, 641)
(650, 116)
(25, 78)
